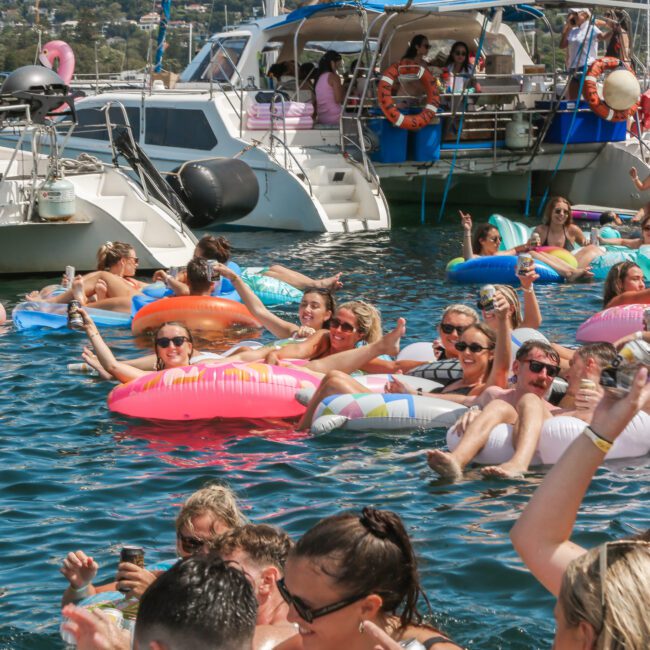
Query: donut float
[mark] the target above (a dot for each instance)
(611, 324)
(496, 269)
(206, 390)
(204, 313)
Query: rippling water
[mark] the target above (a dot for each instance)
(74, 476)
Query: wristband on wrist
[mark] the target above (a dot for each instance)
(603, 444)
(81, 592)
(531, 289)
(638, 336)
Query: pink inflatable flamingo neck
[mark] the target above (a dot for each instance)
(63, 52)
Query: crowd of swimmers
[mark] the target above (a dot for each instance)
(243, 585)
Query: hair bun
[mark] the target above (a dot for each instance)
(376, 522)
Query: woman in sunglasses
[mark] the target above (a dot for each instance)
(173, 347)
(111, 287)
(205, 515)
(349, 569)
(486, 241)
(416, 51)
(455, 320)
(625, 285)
(602, 593)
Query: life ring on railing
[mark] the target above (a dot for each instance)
(387, 102)
(590, 90)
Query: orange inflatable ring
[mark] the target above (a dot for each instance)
(387, 102)
(590, 90)
(195, 312)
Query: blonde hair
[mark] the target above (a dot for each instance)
(368, 319)
(213, 499)
(619, 616)
(459, 308)
(513, 300)
(111, 253)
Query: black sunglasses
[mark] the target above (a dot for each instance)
(335, 323)
(538, 366)
(307, 613)
(460, 52)
(448, 328)
(461, 346)
(164, 341)
(190, 544)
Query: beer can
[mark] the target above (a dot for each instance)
(536, 240)
(646, 319)
(525, 263)
(593, 236)
(486, 297)
(587, 384)
(75, 319)
(69, 275)
(619, 377)
(82, 369)
(134, 555)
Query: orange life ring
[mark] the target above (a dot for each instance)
(387, 101)
(195, 312)
(590, 90)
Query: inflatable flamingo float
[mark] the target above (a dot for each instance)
(63, 52)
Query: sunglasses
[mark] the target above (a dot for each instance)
(538, 366)
(307, 613)
(459, 53)
(177, 341)
(494, 240)
(610, 552)
(133, 259)
(448, 328)
(461, 346)
(560, 211)
(336, 324)
(190, 544)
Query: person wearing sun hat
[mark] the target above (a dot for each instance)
(580, 38)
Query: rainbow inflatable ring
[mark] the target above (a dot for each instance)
(214, 390)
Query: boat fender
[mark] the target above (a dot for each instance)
(624, 92)
(216, 189)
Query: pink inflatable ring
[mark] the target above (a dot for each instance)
(209, 390)
(612, 324)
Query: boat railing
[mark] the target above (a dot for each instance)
(273, 138)
(223, 85)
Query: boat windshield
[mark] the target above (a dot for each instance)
(221, 60)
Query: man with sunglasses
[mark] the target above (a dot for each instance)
(536, 365)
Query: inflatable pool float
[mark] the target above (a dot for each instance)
(386, 411)
(31, 315)
(593, 212)
(443, 371)
(420, 351)
(496, 269)
(561, 253)
(204, 391)
(513, 233)
(270, 291)
(557, 434)
(197, 313)
(601, 265)
(377, 382)
(611, 324)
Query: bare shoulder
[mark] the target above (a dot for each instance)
(436, 640)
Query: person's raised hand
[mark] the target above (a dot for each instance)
(79, 569)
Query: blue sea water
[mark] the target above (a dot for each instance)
(74, 476)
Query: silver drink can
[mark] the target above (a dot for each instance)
(75, 319)
(593, 236)
(486, 297)
(69, 275)
(536, 240)
(618, 377)
(525, 263)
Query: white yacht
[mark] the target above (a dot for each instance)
(510, 142)
(56, 212)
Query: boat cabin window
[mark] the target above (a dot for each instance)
(220, 61)
(178, 127)
(91, 122)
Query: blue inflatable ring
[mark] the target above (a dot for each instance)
(498, 269)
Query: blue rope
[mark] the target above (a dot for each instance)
(529, 191)
(573, 119)
(422, 198)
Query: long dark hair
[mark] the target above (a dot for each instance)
(481, 232)
(450, 57)
(159, 362)
(215, 248)
(328, 297)
(416, 41)
(368, 554)
(324, 65)
(615, 278)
